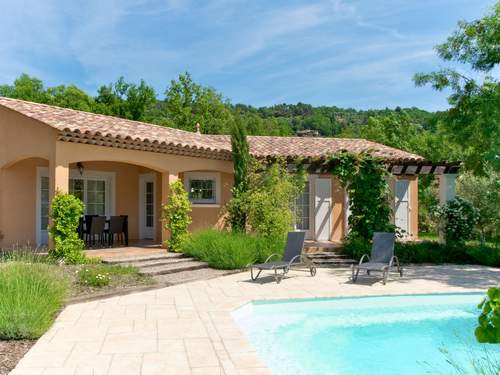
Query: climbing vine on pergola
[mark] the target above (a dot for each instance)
(364, 177)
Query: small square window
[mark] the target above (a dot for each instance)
(202, 190)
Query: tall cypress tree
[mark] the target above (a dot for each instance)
(241, 160)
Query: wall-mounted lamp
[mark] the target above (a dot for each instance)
(80, 168)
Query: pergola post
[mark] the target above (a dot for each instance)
(447, 192)
(166, 179)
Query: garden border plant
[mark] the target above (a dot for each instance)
(176, 215)
(32, 294)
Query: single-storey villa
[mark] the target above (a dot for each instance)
(119, 166)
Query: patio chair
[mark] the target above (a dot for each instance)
(96, 229)
(115, 228)
(292, 257)
(382, 257)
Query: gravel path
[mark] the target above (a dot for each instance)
(11, 352)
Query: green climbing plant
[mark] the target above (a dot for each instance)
(65, 213)
(364, 178)
(176, 215)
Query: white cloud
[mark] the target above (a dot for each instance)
(274, 25)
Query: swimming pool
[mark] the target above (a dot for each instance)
(365, 335)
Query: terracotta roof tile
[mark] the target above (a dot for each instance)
(69, 120)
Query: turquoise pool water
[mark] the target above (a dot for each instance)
(368, 335)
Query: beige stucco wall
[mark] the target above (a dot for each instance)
(18, 206)
(68, 152)
(338, 214)
(24, 144)
(212, 216)
(22, 138)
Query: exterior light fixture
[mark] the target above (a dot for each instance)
(80, 168)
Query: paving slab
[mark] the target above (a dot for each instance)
(188, 328)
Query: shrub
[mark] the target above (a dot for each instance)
(176, 215)
(31, 295)
(432, 252)
(270, 199)
(488, 330)
(230, 250)
(484, 194)
(457, 220)
(66, 211)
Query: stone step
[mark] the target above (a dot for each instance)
(157, 262)
(141, 258)
(325, 255)
(173, 268)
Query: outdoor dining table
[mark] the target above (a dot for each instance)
(84, 223)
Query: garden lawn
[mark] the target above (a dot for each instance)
(228, 250)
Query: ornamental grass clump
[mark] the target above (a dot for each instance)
(30, 297)
(230, 250)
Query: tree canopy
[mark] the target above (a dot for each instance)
(474, 116)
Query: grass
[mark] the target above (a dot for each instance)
(428, 236)
(24, 254)
(31, 296)
(227, 250)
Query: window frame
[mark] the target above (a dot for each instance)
(212, 176)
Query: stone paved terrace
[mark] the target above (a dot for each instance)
(188, 329)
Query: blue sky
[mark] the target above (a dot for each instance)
(359, 54)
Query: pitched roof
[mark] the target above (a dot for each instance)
(91, 128)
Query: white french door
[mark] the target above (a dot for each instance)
(303, 211)
(322, 208)
(147, 206)
(313, 209)
(402, 206)
(42, 207)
